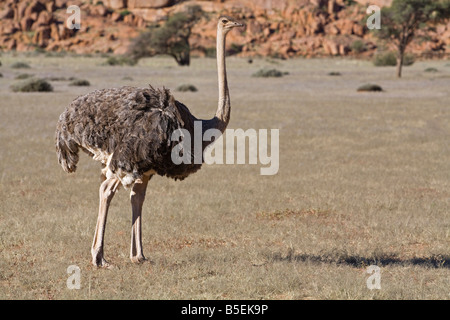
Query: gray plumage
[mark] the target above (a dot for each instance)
(134, 125)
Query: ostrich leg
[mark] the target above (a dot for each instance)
(107, 190)
(137, 197)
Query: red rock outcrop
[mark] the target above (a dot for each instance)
(282, 28)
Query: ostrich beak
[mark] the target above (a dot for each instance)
(238, 24)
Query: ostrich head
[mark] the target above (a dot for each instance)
(226, 24)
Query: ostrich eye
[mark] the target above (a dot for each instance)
(224, 21)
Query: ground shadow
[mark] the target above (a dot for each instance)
(435, 261)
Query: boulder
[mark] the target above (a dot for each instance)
(7, 13)
(42, 36)
(26, 23)
(115, 4)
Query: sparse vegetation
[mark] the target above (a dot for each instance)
(32, 85)
(385, 59)
(431, 69)
(370, 88)
(80, 83)
(55, 78)
(186, 87)
(120, 61)
(389, 58)
(20, 65)
(125, 12)
(358, 46)
(23, 76)
(334, 73)
(269, 73)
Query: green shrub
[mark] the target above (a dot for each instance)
(33, 85)
(409, 59)
(125, 12)
(210, 52)
(20, 65)
(120, 61)
(80, 83)
(54, 78)
(334, 73)
(269, 73)
(370, 87)
(431, 70)
(385, 59)
(186, 87)
(390, 59)
(358, 46)
(234, 49)
(23, 76)
(56, 54)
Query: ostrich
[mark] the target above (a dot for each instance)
(129, 131)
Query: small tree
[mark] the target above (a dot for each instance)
(400, 22)
(172, 38)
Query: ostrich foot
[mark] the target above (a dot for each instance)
(138, 259)
(102, 263)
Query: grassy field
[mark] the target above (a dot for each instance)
(364, 179)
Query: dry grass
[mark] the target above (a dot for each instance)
(364, 179)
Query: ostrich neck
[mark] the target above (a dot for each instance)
(222, 117)
(223, 109)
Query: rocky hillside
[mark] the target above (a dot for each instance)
(279, 28)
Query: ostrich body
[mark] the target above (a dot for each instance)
(129, 131)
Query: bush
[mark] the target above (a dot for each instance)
(23, 76)
(125, 12)
(409, 59)
(20, 65)
(334, 73)
(54, 78)
(120, 61)
(269, 73)
(80, 83)
(234, 49)
(385, 59)
(186, 87)
(370, 87)
(431, 70)
(1, 75)
(390, 59)
(358, 46)
(33, 85)
(210, 52)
